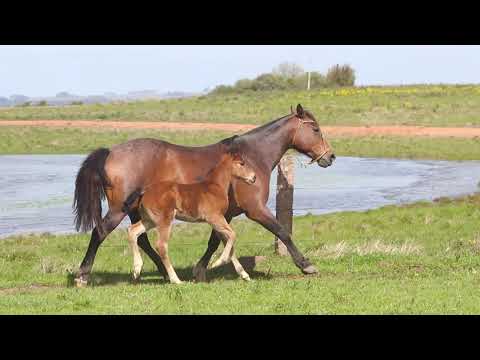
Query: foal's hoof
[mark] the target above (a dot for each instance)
(217, 263)
(245, 276)
(310, 270)
(80, 283)
(200, 274)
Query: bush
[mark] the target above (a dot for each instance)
(292, 77)
(341, 76)
(42, 103)
(289, 70)
(25, 104)
(76, 103)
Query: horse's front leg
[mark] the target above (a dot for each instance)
(236, 264)
(221, 226)
(264, 217)
(200, 270)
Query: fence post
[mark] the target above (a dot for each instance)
(284, 199)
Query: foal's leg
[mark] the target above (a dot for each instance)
(236, 264)
(145, 245)
(164, 228)
(110, 222)
(134, 231)
(200, 270)
(221, 226)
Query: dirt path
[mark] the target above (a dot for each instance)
(332, 131)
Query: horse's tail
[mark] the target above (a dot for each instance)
(90, 188)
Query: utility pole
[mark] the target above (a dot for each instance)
(309, 72)
(284, 200)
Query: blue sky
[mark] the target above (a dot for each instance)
(47, 70)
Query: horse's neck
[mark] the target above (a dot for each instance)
(221, 175)
(271, 143)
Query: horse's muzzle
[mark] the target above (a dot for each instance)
(252, 180)
(326, 161)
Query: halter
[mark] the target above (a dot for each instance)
(301, 121)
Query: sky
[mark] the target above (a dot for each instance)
(92, 70)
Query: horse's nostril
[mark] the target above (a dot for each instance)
(333, 157)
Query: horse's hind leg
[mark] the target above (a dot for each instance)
(109, 222)
(146, 247)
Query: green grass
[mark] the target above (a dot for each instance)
(37, 140)
(417, 259)
(430, 105)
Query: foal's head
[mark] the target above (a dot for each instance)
(241, 170)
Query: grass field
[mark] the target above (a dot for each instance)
(430, 105)
(37, 140)
(421, 258)
(418, 259)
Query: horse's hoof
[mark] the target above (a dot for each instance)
(310, 270)
(200, 274)
(80, 283)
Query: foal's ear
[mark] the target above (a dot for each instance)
(238, 157)
(300, 111)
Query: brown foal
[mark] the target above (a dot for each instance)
(206, 201)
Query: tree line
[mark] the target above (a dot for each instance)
(291, 76)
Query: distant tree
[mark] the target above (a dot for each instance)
(288, 70)
(18, 99)
(63, 94)
(76, 103)
(4, 101)
(341, 75)
(42, 103)
(290, 76)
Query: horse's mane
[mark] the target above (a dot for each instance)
(231, 144)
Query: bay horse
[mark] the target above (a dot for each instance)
(206, 201)
(117, 172)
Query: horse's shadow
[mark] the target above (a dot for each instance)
(224, 272)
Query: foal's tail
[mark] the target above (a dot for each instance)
(90, 188)
(131, 199)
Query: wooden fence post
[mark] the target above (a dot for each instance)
(284, 199)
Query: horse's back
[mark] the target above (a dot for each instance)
(137, 163)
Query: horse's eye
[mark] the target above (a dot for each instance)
(316, 129)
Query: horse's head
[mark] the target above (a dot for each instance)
(241, 170)
(308, 139)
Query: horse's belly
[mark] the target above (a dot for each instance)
(187, 218)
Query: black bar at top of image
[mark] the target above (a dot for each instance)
(244, 24)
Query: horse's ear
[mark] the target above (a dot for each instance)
(300, 111)
(291, 110)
